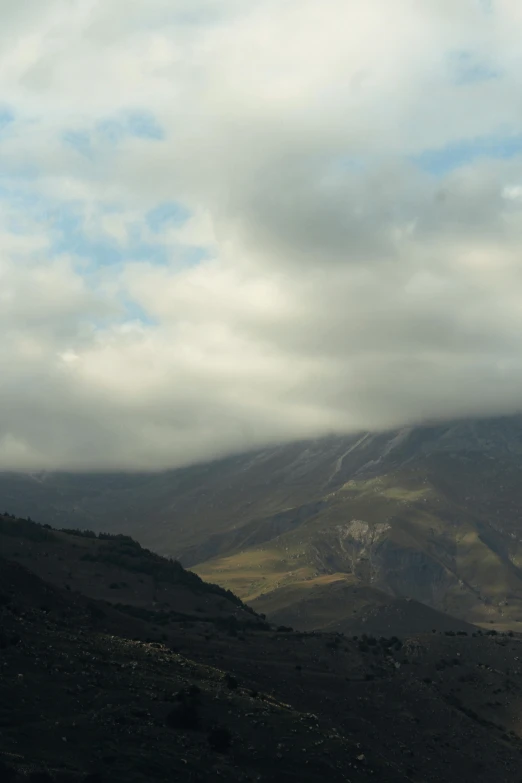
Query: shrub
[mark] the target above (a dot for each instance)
(231, 682)
(23, 528)
(39, 776)
(219, 738)
(7, 773)
(184, 716)
(77, 532)
(97, 612)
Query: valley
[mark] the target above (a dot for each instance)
(427, 513)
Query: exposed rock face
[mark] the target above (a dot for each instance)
(430, 512)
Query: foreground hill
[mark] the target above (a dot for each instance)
(92, 690)
(430, 513)
(116, 569)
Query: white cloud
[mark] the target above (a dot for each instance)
(343, 287)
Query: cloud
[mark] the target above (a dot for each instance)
(224, 225)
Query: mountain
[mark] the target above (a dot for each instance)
(430, 513)
(115, 568)
(96, 689)
(340, 603)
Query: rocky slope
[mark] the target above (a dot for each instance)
(430, 513)
(93, 690)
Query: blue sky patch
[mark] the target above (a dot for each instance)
(167, 213)
(135, 312)
(133, 124)
(70, 237)
(468, 68)
(486, 6)
(444, 159)
(97, 256)
(6, 117)
(112, 131)
(80, 141)
(144, 125)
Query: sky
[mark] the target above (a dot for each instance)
(227, 224)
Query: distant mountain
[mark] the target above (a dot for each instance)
(340, 603)
(431, 513)
(117, 665)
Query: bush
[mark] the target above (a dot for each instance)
(77, 532)
(38, 776)
(97, 612)
(22, 528)
(220, 739)
(231, 682)
(184, 716)
(7, 773)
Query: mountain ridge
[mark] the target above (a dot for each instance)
(429, 512)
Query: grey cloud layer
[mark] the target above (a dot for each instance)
(344, 289)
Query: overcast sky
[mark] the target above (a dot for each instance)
(226, 223)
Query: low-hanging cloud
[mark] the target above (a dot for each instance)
(225, 225)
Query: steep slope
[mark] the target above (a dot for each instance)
(431, 513)
(340, 603)
(406, 533)
(87, 694)
(115, 569)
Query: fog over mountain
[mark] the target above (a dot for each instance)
(225, 225)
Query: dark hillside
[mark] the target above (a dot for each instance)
(93, 689)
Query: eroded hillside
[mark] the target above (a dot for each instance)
(429, 513)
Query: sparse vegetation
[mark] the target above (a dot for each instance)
(220, 739)
(204, 695)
